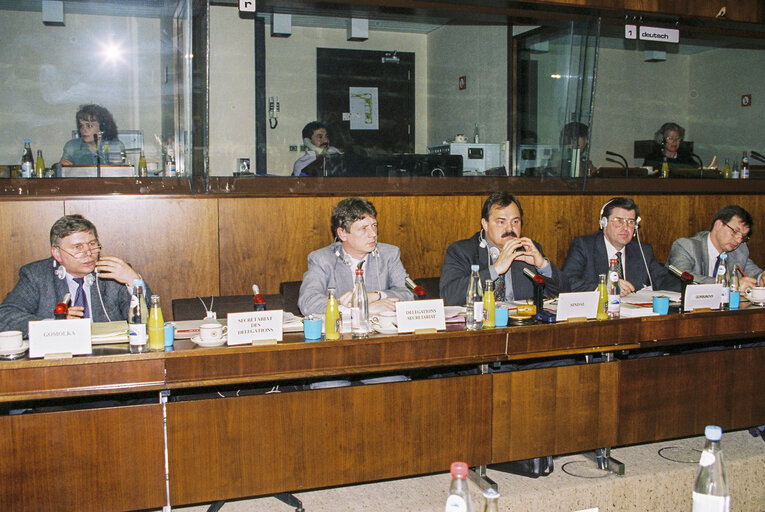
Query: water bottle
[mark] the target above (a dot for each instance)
(490, 500)
(722, 279)
(139, 340)
(710, 491)
(474, 301)
(745, 166)
(459, 494)
(614, 291)
(359, 307)
(27, 160)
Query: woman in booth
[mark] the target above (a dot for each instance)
(85, 149)
(668, 140)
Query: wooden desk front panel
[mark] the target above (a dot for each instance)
(551, 411)
(234, 447)
(347, 356)
(98, 459)
(676, 396)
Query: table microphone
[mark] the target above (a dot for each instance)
(534, 276)
(611, 153)
(416, 288)
(685, 276)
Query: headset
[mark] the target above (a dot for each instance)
(604, 222)
(492, 252)
(89, 280)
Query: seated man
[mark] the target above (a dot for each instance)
(588, 255)
(729, 233)
(75, 256)
(501, 254)
(354, 226)
(316, 143)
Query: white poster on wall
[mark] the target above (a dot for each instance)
(365, 114)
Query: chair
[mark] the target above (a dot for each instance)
(195, 308)
(431, 285)
(290, 291)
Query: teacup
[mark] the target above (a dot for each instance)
(756, 294)
(211, 332)
(10, 340)
(384, 321)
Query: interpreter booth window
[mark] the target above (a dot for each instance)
(99, 88)
(555, 76)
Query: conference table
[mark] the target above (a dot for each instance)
(119, 431)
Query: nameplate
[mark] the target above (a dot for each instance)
(59, 336)
(577, 305)
(699, 296)
(418, 315)
(255, 327)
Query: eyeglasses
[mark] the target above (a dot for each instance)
(621, 222)
(737, 233)
(674, 139)
(79, 251)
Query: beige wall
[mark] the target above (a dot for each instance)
(48, 71)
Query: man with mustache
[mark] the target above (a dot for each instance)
(316, 141)
(501, 254)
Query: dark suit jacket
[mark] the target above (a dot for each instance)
(455, 273)
(587, 258)
(39, 290)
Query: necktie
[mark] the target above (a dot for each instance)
(717, 266)
(499, 288)
(80, 299)
(619, 268)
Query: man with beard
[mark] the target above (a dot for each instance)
(316, 141)
(588, 255)
(501, 254)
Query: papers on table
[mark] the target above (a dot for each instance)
(645, 297)
(102, 333)
(634, 310)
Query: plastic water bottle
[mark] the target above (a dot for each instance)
(614, 291)
(722, 278)
(139, 339)
(474, 301)
(359, 307)
(710, 492)
(459, 494)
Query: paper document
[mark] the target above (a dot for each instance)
(109, 332)
(646, 295)
(634, 310)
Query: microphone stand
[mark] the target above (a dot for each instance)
(624, 160)
(757, 156)
(99, 139)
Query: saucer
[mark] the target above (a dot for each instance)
(15, 353)
(384, 330)
(207, 344)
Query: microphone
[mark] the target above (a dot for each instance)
(611, 153)
(685, 276)
(757, 155)
(61, 309)
(534, 276)
(416, 288)
(615, 161)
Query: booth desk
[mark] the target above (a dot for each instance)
(113, 458)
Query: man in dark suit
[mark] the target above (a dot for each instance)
(75, 258)
(501, 254)
(588, 255)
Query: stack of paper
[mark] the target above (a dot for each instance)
(102, 333)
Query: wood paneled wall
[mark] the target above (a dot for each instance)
(189, 246)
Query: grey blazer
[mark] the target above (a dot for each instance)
(39, 290)
(691, 255)
(329, 267)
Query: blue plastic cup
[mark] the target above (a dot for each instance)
(500, 316)
(169, 334)
(735, 300)
(661, 305)
(312, 329)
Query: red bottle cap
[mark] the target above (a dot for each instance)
(459, 470)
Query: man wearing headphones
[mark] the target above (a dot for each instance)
(354, 227)
(501, 254)
(588, 255)
(99, 287)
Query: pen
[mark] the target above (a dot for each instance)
(741, 270)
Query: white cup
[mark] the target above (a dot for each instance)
(384, 321)
(460, 138)
(10, 340)
(210, 332)
(756, 294)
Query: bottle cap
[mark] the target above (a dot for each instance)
(473, 268)
(359, 271)
(137, 282)
(459, 470)
(26, 141)
(491, 494)
(713, 433)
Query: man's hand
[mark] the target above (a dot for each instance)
(746, 283)
(75, 312)
(625, 287)
(521, 249)
(110, 267)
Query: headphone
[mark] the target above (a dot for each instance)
(483, 244)
(60, 272)
(604, 220)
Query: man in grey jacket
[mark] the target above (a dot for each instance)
(354, 226)
(729, 232)
(99, 287)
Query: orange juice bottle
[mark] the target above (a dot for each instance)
(602, 298)
(156, 326)
(332, 317)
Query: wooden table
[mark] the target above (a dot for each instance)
(113, 458)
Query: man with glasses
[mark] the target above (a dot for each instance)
(588, 255)
(99, 287)
(699, 254)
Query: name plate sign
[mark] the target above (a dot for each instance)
(699, 296)
(49, 337)
(420, 314)
(255, 327)
(577, 305)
